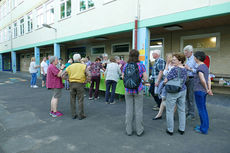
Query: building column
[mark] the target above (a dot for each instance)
(1, 62)
(57, 50)
(13, 60)
(143, 41)
(37, 58)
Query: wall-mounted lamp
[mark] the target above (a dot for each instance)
(173, 27)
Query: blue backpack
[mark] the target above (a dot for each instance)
(132, 79)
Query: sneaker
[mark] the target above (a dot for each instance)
(54, 115)
(35, 86)
(155, 108)
(51, 113)
(113, 103)
(90, 98)
(97, 98)
(31, 86)
(107, 102)
(59, 113)
(190, 117)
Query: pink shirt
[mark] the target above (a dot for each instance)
(52, 80)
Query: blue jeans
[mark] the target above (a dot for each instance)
(33, 79)
(200, 98)
(110, 83)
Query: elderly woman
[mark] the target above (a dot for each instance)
(112, 74)
(178, 98)
(54, 82)
(33, 69)
(202, 87)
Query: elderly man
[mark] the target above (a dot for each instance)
(157, 74)
(78, 76)
(191, 69)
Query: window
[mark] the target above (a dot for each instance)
(15, 30)
(22, 26)
(203, 42)
(50, 12)
(120, 48)
(40, 17)
(9, 32)
(65, 8)
(29, 22)
(86, 4)
(97, 50)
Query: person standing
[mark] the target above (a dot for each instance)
(54, 83)
(120, 62)
(202, 87)
(94, 69)
(157, 74)
(112, 75)
(191, 69)
(78, 76)
(33, 69)
(134, 97)
(44, 68)
(70, 61)
(176, 98)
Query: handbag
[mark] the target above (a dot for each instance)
(174, 85)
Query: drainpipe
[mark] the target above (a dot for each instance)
(136, 27)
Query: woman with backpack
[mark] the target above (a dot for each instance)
(133, 74)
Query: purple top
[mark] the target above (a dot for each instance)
(197, 83)
(122, 64)
(95, 69)
(174, 74)
(142, 69)
(52, 80)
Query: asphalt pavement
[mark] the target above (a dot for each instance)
(27, 127)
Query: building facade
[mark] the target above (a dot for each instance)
(91, 27)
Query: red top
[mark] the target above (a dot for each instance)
(207, 61)
(52, 80)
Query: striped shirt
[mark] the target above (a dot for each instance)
(157, 67)
(142, 69)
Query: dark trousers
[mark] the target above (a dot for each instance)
(93, 80)
(200, 98)
(77, 90)
(156, 97)
(110, 83)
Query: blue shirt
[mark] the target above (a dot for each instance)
(157, 67)
(192, 64)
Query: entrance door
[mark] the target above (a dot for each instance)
(18, 62)
(6, 61)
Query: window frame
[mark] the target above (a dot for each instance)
(15, 30)
(65, 9)
(22, 26)
(39, 16)
(29, 22)
(123, 53)
(48, 11)
(197, 36)
(87, 6)
(98, 46)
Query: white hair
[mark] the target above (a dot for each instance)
(104, 55)
(76, 57)
(117, 58)
(157, 51)
(52, 59)
(188, 48)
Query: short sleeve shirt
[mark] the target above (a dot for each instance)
(95, 69)
(197, 83)
(45, 67)
(52, 80)
(174, 74)
(142, 69)
(157, 67)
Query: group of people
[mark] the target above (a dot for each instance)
(193, 76)
(192, 69)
